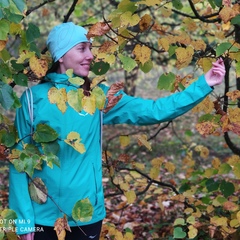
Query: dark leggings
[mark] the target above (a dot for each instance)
(92, 231)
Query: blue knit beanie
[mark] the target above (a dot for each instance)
(63, 37)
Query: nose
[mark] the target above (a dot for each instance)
(90, 54)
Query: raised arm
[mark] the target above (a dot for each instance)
(138, 111)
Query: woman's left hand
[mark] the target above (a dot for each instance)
(216, 74)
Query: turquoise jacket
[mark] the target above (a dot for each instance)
(80, 175)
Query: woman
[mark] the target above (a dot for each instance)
(79, 176)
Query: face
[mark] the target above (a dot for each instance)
(77, 58)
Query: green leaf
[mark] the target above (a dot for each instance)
(125, 6)
(76, 81)
(38, 191)
(6, 96)
(236, 20)
(75, 99)
(172, 50)
(179, 221)
(51, 160)
(238, 69)
(82, 210)
(9, 216)
(212, 185)
(11, 16)
(224, 168)
(4, 3)
(128, 63)
(17, 66)
(44, 133)
(147, 66)
(218, 3)
(100, 97)
(32, 33)
(209, 117)
(212, 3)
(4, 29)
(166, 81)
(177, 4)
(20, 4)
(51, 147)
(21, 79)
(8, 136)
(184, 187)
(178, 233)
(227, 188)
(223, 47)
(100, 68)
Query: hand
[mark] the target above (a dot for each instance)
(216, 74)
(28, 236)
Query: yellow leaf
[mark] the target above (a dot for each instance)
(210, 208)
(238, 216)
(131, 196)
(15, 28)
(142, 53)
(184, 56)
(127, 19)
(205, 106)
(140, 166)
(142, 141)
(190, 24)
(128, 236)
(74, 140)
(145, 22)
(157, 162)
(204, 152)
(234, 223)
(216, 163)
(89, 104)
(24, 55)
(124, 186)
(59, 97)
(170, 167)
(234, 115)
(233, 95)
(205, 64)
(164, 43)
(75, 99)
(188, 210)
(166, 12)
(227, 13)
(154, 173)
(199, 45)
(60, 226)
(124, 141)
(192, 233)
(38, 66)
(97, 80)
(219, 221)
(191, 220)
(150, 2)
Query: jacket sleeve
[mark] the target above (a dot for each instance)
(19, 198)
(138, 111)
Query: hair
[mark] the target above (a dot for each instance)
(54, 68)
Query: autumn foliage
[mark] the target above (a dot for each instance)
(129, 35)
